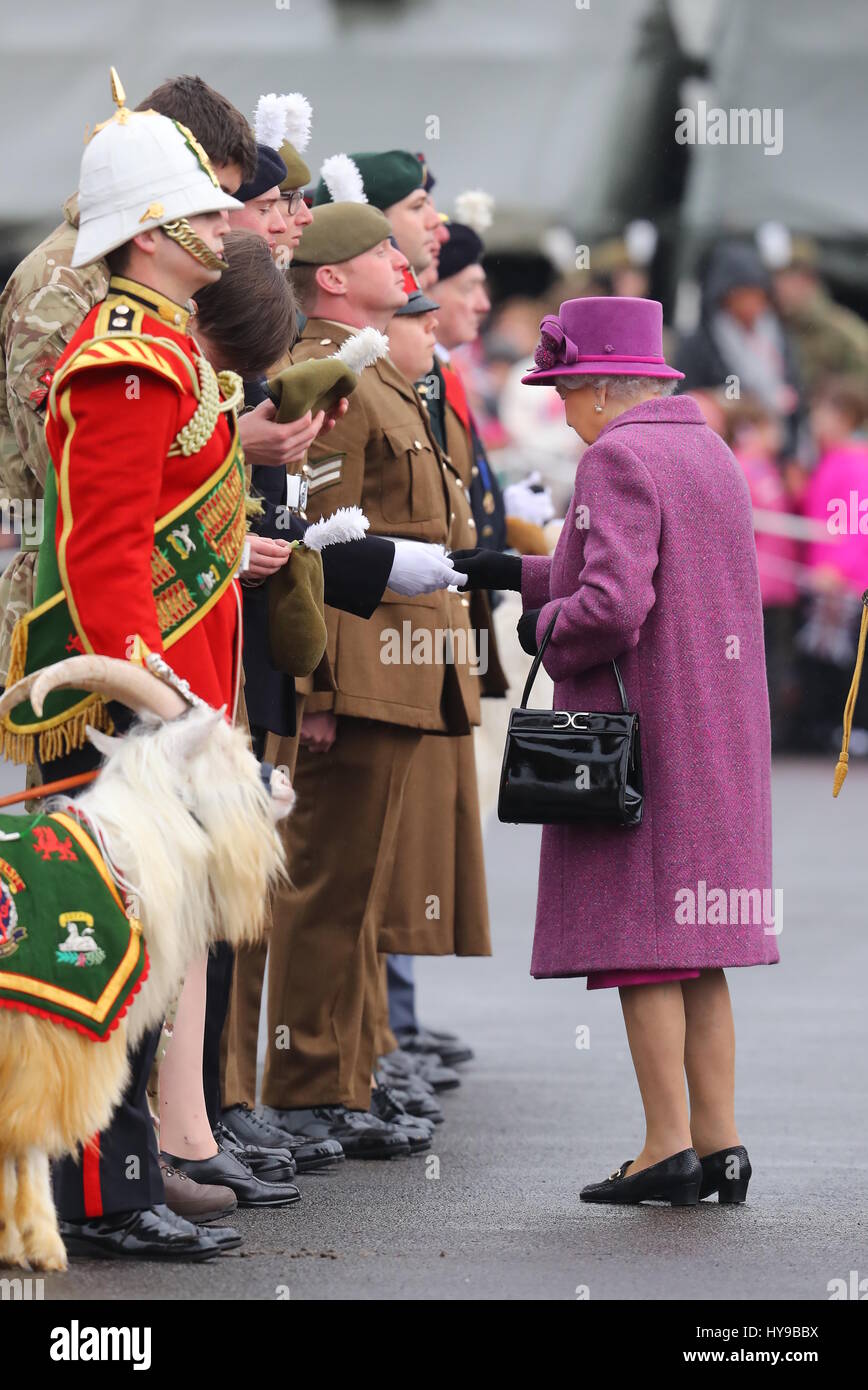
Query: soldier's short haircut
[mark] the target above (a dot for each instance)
(249, 313)
(220, 128)
(304, 285)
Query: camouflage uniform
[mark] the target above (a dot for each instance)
(41, 308)
(829, 339)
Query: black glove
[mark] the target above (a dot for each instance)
(488, 569)
(526, 629)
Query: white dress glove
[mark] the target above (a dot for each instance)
(420, 568)
(522, 501)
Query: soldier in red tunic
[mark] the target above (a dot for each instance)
(145, 530)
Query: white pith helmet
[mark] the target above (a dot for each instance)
(138, 171)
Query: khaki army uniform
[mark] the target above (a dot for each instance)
(437, 899)
(343, 834)
(41, 308)
(830, 339)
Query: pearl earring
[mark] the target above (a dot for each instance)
(598, 408)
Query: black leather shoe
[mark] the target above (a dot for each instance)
(676, 1180)
(230, 1170)
(426, 1045)
(416, 1101)
(727, 1173)
(360, 1134)
(426, 1068)
(271, 1165)
(264, 1128)
(151, 1233)
(224, 1237)
(386, 1106)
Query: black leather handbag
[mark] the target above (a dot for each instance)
(561, 766)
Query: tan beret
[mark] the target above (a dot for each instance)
(297, 173)
(340, 231)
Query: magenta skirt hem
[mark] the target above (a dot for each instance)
(614, 979)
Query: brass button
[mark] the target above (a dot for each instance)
(123, 309)
(325, 342)
(471, 522)
(475, 471)
(416, 444)
(465, 602)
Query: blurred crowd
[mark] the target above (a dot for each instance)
(780, 370)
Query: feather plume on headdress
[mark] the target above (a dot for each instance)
(297, 117)
(363, 349)
(269, 121)
(346, 524)
(475, 209)
(343, 179)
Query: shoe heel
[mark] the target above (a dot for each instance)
(733, 1191)
(687, 1195)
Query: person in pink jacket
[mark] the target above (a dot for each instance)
(656, 566)
(836, 494)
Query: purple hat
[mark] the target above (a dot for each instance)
(601, 336)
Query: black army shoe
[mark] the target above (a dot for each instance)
(151, 1233)
(415, 1095)
(426, 1068)
(310, 1155)
(229, 1169)
(360, 1134)
(272, 1165)
(676, 1180)
(426, 1044)
(386, 1106)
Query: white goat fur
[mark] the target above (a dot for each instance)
(186, 820)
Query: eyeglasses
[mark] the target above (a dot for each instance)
(293, 200)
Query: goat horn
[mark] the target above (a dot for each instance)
(14, 694)
(108, 676)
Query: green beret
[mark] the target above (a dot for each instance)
(317, 384)
(387, 177)
(296, 626)
(340, 231)
(297, 173)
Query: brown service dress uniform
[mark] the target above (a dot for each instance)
(323, 963)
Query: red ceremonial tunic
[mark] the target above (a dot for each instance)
(113, 422)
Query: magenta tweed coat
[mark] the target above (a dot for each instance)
(656, 567)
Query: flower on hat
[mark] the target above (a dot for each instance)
(554, 347)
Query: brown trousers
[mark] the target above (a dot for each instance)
(324, 976)
(437, 903)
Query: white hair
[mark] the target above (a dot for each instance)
(621, 387)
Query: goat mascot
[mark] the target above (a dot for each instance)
(179, 835)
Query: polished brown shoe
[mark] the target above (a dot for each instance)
(198, 1202)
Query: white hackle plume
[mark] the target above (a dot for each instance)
(775, 245)
(640, 239)
(297, 118)
(343, 179)
(346, 524)
(475, 209)
(269, 120)
(363, 349)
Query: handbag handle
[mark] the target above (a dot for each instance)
(537, 662)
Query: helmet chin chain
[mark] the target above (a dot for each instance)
(181, 232)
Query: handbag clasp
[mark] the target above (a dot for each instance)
(573, 720)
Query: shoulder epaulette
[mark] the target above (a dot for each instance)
(112, 347)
